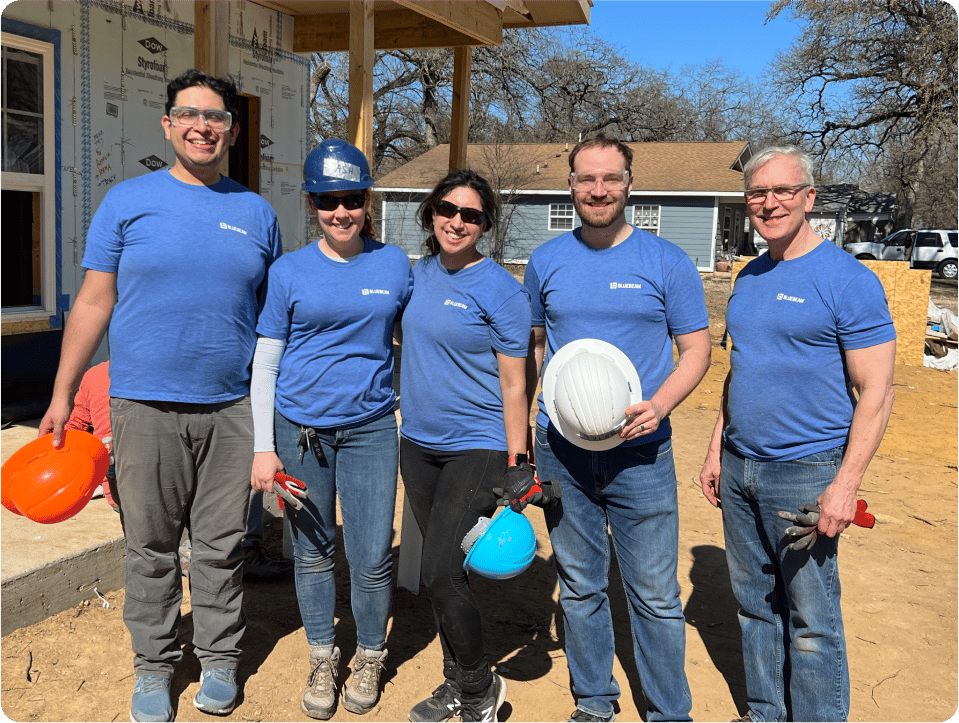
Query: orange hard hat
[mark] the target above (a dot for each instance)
(51, 484)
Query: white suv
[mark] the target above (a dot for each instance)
(925, 249)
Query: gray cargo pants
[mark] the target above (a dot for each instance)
(183, 464)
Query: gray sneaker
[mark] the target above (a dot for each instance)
(319, 698)
(363, 690)
(442, 705)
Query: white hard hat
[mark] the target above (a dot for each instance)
(587, 386)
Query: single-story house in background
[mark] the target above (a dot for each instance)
(844, 214)
(688, 193)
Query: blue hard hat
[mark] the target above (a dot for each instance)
(335, 165)
(505, 549)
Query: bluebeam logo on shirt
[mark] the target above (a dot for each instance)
(367, 292)
(784, 297)
(232, 228)
(450, 302)
(617, 285)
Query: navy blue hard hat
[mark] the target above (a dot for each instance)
(335, 165)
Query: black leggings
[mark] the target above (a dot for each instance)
(448, 493)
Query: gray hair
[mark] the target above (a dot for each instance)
(767, 154)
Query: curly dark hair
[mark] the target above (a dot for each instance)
(457, 179)
(224, 87)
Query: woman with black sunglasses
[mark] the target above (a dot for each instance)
(322, 390)
(466, 338)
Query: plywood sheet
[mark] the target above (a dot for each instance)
(907, 291)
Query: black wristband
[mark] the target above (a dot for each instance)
(517, 459)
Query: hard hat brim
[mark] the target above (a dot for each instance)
(551, 374)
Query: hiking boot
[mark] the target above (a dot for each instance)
(218, 691)
(582, 716)
(319, 698)
(363, 690)
(151, 699)
(442, 705)
(484, 707)
(257, 565)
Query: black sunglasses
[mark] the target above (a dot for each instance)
(469, 215)
(331, 203)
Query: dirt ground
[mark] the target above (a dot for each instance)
(899, 602)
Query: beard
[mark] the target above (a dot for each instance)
(603, 217)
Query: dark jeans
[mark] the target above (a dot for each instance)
(448, 493)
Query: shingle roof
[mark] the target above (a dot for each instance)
(704, 167)
(836, 198)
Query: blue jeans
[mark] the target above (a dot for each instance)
(632, 490)
(360, 468)
(794, 648)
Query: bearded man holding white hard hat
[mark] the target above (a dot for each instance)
(608, 302)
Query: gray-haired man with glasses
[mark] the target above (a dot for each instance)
(176, 261)
(808, 323)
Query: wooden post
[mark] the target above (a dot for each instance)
(211, 38)
(460, 125)
(362, 58)
(211, 45)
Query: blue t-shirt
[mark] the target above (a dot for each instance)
(636, 296)
(454, 326)
(790, 322)
(336, 318)
(190, 261)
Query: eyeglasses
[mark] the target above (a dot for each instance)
(331, 203)
(187, 117)
(780, 193)
(469, 215)
(587, 180)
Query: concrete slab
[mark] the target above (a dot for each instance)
(45, 569)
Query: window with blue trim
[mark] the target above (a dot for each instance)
(28, 213)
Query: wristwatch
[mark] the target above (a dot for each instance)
(517, 459)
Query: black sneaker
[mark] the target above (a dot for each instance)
(581, 716)
(485, 707)
(257, 565)
(442, 705)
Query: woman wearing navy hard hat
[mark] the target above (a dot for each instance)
(323, 398)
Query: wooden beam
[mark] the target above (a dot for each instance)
(362, 58)
(478, 20)
(394, 29)
(545, 13)
(460, 123)
(211, 46)
(211, 38)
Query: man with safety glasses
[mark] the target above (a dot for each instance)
(611, 281)
(809, 324)
(176, 261)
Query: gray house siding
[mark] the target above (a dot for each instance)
(685, 221)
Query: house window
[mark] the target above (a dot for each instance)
(28, 209)
(560, 217)
(646, 218)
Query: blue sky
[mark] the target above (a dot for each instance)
(674, 33)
